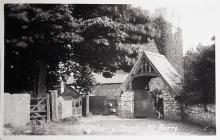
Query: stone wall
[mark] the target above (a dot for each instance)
(172, 108)
(66, 105)
(126, 105)
(199, 114)
(17, 109)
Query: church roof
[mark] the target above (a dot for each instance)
(164, 69)
(108, 90)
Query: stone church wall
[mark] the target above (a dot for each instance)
(174, 50)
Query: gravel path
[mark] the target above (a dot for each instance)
(113, 125)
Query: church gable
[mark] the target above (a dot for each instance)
(145, 68)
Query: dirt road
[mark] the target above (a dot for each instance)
(112, 125)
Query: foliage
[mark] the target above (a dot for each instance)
(36, 38)
(155, 92)
(137, 22)
(82, 75)
(39, 37)
(199, 67)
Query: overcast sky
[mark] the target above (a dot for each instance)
(198, 17)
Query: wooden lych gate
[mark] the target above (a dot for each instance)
(40, 108)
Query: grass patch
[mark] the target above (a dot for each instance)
(40, 127)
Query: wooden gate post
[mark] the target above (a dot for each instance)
(85, 105)
(54, 106)
(48, 107)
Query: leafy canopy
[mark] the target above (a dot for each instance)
(38, 37)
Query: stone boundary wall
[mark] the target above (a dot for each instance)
(66, 105)
(17, 109)
(126, 105)
(61, 107)
(198, 114)
(173, 108)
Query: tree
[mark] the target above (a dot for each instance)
(199, 84)
(36, 39)
(82, 76)
(39, 37)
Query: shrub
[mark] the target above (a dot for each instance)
(199, 76)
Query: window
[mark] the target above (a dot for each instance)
(77, 104)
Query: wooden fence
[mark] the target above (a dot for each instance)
(54, 107)
(40, 108)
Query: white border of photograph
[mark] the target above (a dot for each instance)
(207, 4)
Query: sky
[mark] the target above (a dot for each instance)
(197, 18)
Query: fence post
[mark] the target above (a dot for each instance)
(48, 107)
(54, 110)
(52, 106)
(85, 105)
(56, 105)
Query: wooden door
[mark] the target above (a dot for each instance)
(144, 105)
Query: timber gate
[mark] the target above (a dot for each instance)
(144, 104)
(77, 107)
(40, 108)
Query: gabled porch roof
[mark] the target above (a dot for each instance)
(162, 67)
